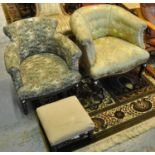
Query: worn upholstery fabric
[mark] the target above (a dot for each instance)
(93, 22)
(55, 10)
(115, 59)
(40, 60)
(64, 120)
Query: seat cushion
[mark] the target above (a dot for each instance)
(114, 56)
(64, 119)
(45, 73)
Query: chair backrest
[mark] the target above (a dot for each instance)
(49, 9)
(33, 35)
(110, 20)
(96, 18)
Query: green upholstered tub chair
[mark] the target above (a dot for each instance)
(40, 60)
(111, 39)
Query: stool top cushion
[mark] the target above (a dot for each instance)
(64, 119)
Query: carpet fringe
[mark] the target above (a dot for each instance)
(119, 137)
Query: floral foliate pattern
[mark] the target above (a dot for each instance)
(70, 51)
(31, 34)
(12, 64)
(44, 73)
(40, 60)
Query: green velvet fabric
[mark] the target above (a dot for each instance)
(45, 73)
(12, 63)
(39, 59)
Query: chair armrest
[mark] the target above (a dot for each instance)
(12, 64)
(130, 30)
(83, 35)
(80, 29)
(70, 51)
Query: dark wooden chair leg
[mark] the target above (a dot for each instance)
(142, 68)
(24, 107)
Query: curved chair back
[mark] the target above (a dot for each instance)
(32, 35)
(49, 9)
(109, 20)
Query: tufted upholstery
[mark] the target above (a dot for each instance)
(56, 11)
(90, 24)
(40, 60)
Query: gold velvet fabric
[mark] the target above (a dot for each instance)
(116, 59)
(91, 23)
(64, 120)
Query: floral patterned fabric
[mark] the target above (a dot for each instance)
(12, 63)
(45, 73)
(40, 60)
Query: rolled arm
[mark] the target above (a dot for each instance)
(80, 29)
(84, 37)
(12, 64)
(127, 26)
(69, 51)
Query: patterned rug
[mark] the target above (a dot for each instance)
(115, 104)
(117, 119)
(127, 87)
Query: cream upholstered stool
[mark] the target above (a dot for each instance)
(64, 120)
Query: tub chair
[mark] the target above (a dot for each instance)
(111, 40)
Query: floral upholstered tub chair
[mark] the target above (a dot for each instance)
(40, 60)
(111, 39)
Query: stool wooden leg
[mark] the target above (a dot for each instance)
(90, 134)
(54, 149)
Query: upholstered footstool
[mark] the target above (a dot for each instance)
(64, 121)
